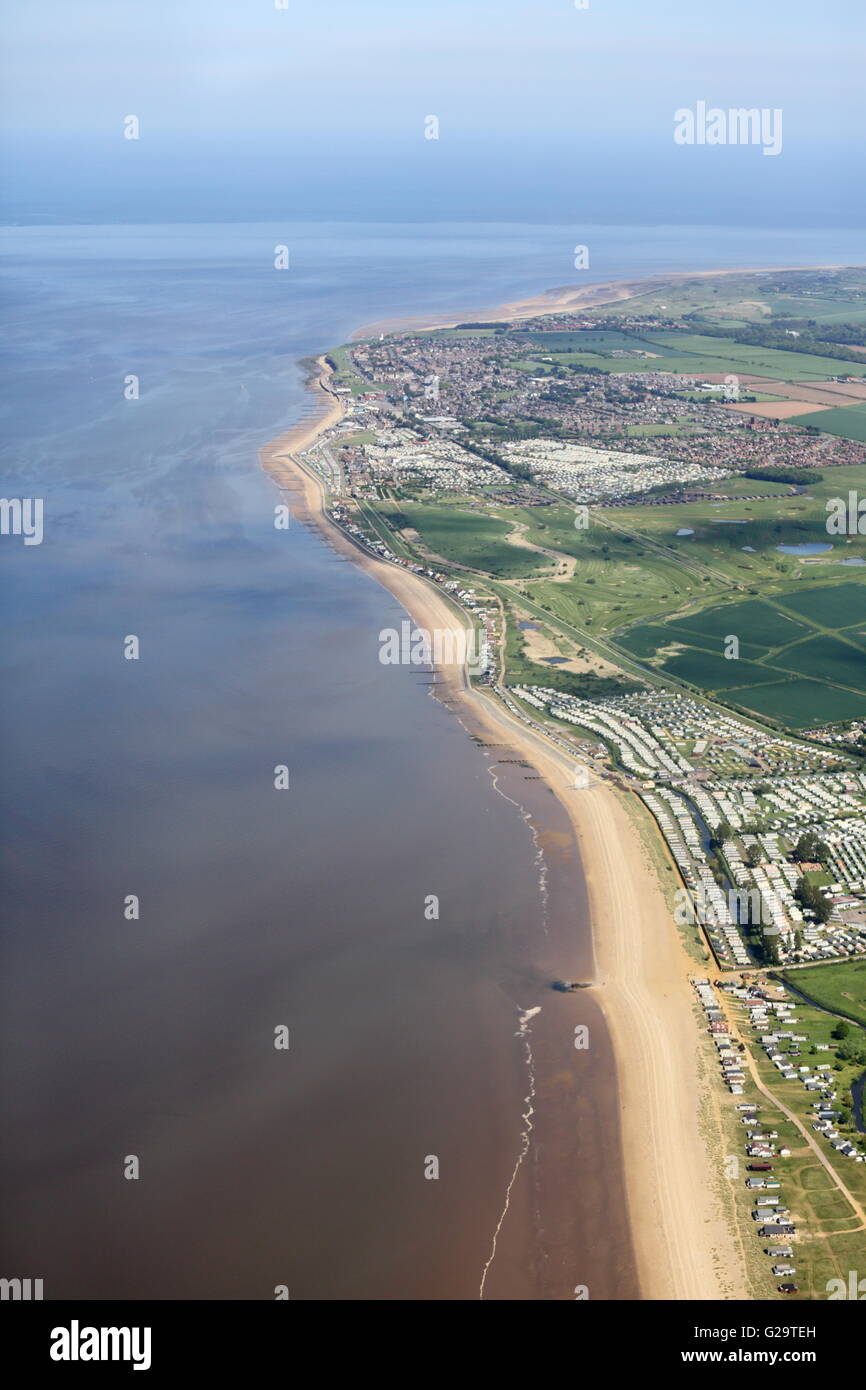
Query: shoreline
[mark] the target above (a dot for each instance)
(684, 1244)
(567, 298)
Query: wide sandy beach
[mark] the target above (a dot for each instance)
(685, 1244)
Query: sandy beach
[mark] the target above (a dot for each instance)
(567, 299)
(684, 1245)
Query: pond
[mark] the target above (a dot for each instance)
(809, 548)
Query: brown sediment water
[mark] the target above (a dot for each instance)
(553, 1218)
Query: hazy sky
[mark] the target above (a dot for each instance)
(318, 109)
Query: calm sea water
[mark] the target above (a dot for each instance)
(258, 908)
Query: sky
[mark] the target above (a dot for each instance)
(546, 112)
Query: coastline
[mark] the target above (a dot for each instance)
(684, 1245)
(568, 298)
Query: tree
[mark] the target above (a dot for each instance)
(810, 849)
(809, 895)
(721, 833)
(841, 1030)
(770, 950)
(753, 856)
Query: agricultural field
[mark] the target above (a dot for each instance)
(796, 704)
(849, 422)
(755, 361)
(788, 668)
(758, 624)
(830, 607)
(690, 354)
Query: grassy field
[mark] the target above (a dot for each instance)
(756, 622)
(661, 431)
(688, 354)
(465, 538)
(749, 487)
(827, 1243)
(847, 421)
(758, 361)
(835, 607)
(840, 988)
(748, 296)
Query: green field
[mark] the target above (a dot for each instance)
(655, 431)
(797, 704)
(752, 620)
(466, 538)
(827, 659)
(759, 361)
(750, 296)
(772, 644)
(713, 672)
(840, 988)
(692, 354)
(847, 421)
(648, 638)
(841, 606)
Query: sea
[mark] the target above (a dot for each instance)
(258, 1041)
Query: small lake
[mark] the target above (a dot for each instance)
(852, 562)
(810, 548)
(529, 627)
(554, 660)
(727, 521)
(685, 531)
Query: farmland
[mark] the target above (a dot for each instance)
(790, 669)
(847, 421)
(692, 354)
